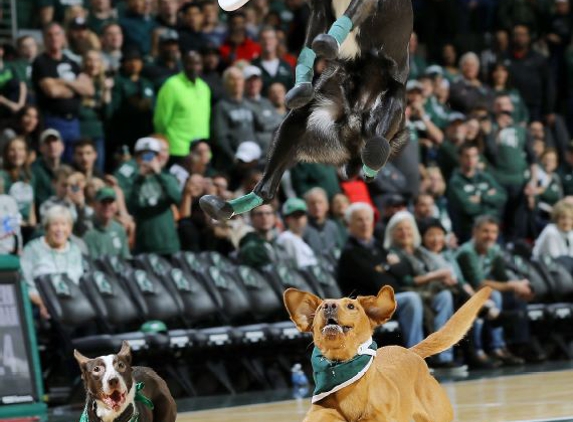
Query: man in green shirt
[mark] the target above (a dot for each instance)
(44, 168)
(183, 109)
(150, 201)
(472, 192)
(108, 237)
(481, 263)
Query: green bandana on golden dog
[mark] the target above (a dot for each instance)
(329, 376)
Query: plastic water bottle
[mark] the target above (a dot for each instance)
(299, 382)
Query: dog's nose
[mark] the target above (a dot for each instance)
(113, 382)
(330, 306)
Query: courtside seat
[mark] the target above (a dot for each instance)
(152, 263)
(189, 262)
(73, 315)
(264, 303)
(282, 277)
(560, 311)
(113, 266)
(286, 331)
(536, 311)
(216, 259)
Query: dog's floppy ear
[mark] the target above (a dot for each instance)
(379, 308)
(81, 359)
(125, 351)
(301, 307)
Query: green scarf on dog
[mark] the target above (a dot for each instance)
(331, 376)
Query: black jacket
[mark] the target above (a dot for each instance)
(364, 270)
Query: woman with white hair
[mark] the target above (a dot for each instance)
(52, 253)
(423, 276)
(468, 91)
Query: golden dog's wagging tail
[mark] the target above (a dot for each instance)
(455, 328)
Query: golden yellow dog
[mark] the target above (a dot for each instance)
(356, 382)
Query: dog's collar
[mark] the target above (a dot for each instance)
(130, 414)
(329, 376)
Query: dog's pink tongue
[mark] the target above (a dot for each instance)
(114, 400)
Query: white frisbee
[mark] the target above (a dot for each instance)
(231, 5)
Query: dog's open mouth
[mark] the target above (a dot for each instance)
(114, 400)
(333, 328)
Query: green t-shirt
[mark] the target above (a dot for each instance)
(125, 175)
(60, 7)
(553, 192)
(478, 268)
(437, 112)
(150, 203)
(43, 177)
(306, 176)
(110, 240)
(22, 190)
(510, 166)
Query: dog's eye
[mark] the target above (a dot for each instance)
(350, 306)
(97, 369)
(121, 366)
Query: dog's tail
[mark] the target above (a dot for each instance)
(455, 328)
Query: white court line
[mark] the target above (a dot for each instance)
(567, 418)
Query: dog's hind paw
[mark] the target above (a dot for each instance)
(216, 208)
(325, 45)
(299, 95)
(375, 153)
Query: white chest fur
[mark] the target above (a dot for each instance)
(349, 48)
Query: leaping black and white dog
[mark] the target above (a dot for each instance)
(353, 116)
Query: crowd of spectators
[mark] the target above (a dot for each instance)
(122, 114)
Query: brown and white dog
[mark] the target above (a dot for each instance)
(118, 392)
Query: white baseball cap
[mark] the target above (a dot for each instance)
(148, 144)
(248, 151)
(251, 71)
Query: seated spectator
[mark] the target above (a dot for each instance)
(191, 37)
(112, 46)
(59, 85)
(495, 54)
(325, 236)
(197, 162)
(27, 48)
(50, 160)
(101, 14)
(238, 46)
(274, 69)
(85, 158)
(549, 187)
(108, 237)
(137, 27)
(430, 82)
(150, 201)
(472, 193)
(541, 138)
(69, 193)
(19, 180)
(26, 124)
(183, 108)
(468, 91)
(168, 61)
(295, 248)
(53, 253)
(449, 62)
(132, 103)
(95, 109)
(267, 119)
(233, 120)
(434, 241)
(482, 265)
(277, 94)
(247, 163)
(338, 206)
(167, 14)
(365, 267)
(417, 61)
(556, 239)
(422, 274)
(260, 247)
(192, 219)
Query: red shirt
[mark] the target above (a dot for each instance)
(248, 50)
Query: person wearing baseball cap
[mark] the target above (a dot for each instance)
(107, 237)
(152, 195)
(295, 215)
(45, 167)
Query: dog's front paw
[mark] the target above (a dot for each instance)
(216, 208)
(326, 46)
(299, 95)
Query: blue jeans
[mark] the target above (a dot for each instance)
(69, 130)
(410, 313)
(496, 335)
(443, 307)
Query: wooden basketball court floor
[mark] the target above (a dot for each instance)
(530, 397)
